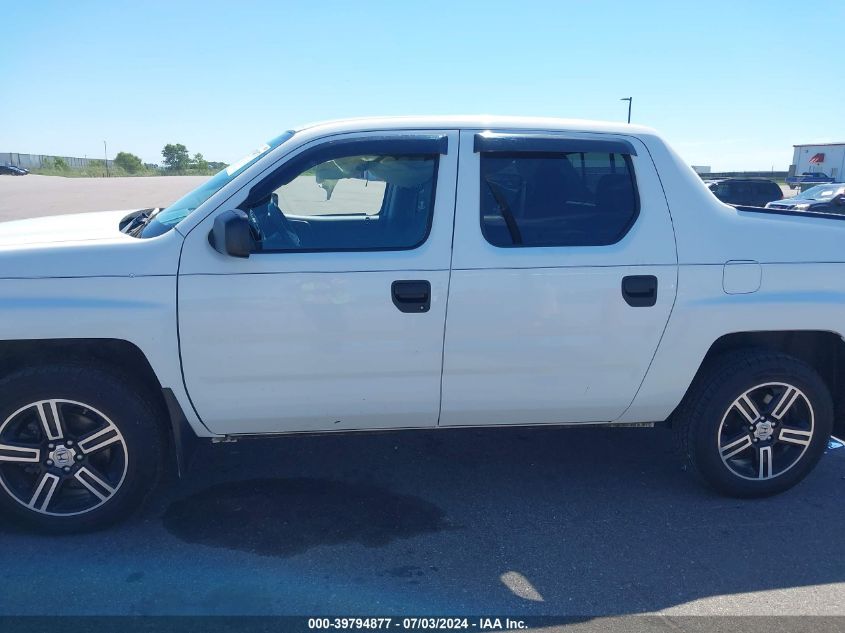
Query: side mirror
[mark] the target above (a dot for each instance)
(232, 235)
(839, 200)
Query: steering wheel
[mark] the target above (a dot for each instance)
(273, 227)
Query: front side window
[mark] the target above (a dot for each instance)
(557, 199)
(348, 203)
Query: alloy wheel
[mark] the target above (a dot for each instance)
(766, 431)
(61, 457)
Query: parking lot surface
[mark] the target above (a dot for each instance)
(565, 522)
(577, 522)
(33, 196)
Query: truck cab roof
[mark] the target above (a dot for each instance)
(473, 121)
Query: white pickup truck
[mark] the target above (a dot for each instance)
(414, 273)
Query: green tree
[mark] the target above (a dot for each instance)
(200, 163)
(130, 163)
(176, 157)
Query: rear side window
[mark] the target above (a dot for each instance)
(769, 189)
(740, 192)
(721, 190)
(557, 199)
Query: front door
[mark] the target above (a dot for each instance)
(563, 278)
(337, 322)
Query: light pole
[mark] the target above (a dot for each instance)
(630, 101)
(106, 155)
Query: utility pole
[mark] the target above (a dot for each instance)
(630, 101)
(106, 152)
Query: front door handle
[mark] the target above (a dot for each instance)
(411, 295)
(640, 291)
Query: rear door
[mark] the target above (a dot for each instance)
(336, 323)
(563, 278)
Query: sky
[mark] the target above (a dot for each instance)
(731, 84)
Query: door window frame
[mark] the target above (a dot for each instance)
(416, 145)
(543, 146)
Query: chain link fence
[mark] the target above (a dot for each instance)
(38, 161)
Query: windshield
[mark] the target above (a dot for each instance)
(164, 220)
(821, 192)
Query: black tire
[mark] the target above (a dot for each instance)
(775, 453)
(92, 480)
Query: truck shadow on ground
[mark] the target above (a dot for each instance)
(592, 521)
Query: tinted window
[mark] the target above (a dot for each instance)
(372, 202)
(721, 190)
(574, 199)
(768, 191)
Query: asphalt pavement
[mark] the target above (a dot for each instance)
(562, 522)
(34, 196)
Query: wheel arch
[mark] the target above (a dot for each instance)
(822, 350)
(119, 356)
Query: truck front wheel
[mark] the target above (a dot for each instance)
(79, 447)
(755, 423)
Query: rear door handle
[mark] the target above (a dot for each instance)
(411, 295)
(640, 291)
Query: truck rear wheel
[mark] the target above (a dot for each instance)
(79, 447)
(755, 423)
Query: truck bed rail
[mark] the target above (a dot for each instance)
(803, 214)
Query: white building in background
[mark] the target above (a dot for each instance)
(827, 158)
(701, 169)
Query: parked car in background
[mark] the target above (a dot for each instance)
(748, 192)
(821, 198)
(807, 179)
(13, 170)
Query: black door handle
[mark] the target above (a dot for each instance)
(640, 291)
(411, 295)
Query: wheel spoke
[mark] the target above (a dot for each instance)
(44, 492)
(100, 439)
(747, 408)
(94, 483)
(779, 422)
(735, 447)
(764, 460)
(61, 457)
(51, 421)
(9, 453)
(790, 395)
(795, 436)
